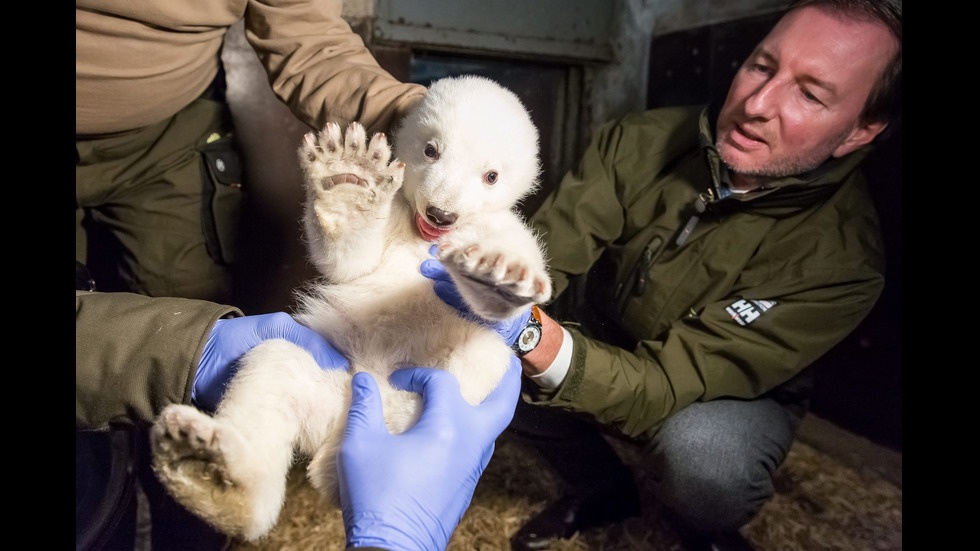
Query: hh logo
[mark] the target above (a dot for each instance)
(745, 312)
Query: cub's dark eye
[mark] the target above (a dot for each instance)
(431, 151)
(490, 177)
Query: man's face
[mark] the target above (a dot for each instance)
(797, 100)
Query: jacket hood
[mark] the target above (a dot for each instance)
(781, 197)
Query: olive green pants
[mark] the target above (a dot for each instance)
(157, 209)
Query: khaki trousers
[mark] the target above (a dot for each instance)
(157, 209)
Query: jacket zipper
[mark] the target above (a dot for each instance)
(636, 282)
(704, 199)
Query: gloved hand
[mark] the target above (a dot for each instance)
(445, 289)
(409, 491)
(231, 338)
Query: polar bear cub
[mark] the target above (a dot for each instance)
(465, 156)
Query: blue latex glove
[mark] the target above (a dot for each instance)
(409, 491)
(446, 290)
(231, 338)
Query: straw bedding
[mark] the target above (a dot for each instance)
(821, 505)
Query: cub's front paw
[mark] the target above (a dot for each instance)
(494, 283)
(348, 176)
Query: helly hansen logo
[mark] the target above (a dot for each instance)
(745, 312)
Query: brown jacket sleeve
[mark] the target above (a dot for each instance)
(321, 69)
(137, 63)
(134, 354)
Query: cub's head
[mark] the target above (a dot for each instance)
(469, 148)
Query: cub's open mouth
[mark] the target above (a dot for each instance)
(427, 230)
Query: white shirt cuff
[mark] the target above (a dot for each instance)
(555, 374)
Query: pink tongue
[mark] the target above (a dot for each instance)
(428, 231)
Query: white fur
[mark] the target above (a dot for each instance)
(372, 302)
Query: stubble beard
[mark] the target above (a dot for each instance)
(777, 168)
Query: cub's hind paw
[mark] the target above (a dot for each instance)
(185, 439)
(207, 468)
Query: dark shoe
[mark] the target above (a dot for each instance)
(571, 514)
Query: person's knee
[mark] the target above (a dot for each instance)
(710, 476)
(712, 491)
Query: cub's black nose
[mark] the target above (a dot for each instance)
(439, 217)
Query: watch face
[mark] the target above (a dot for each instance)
(529, 338)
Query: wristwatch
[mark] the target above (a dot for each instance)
(531, 334)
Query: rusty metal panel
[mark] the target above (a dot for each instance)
(559, 29)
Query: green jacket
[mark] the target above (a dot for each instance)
(673, 295)
(134, 354)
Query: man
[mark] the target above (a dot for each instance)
(706, 258)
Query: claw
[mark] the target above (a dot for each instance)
(311, 147)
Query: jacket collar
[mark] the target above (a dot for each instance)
(780, 197)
